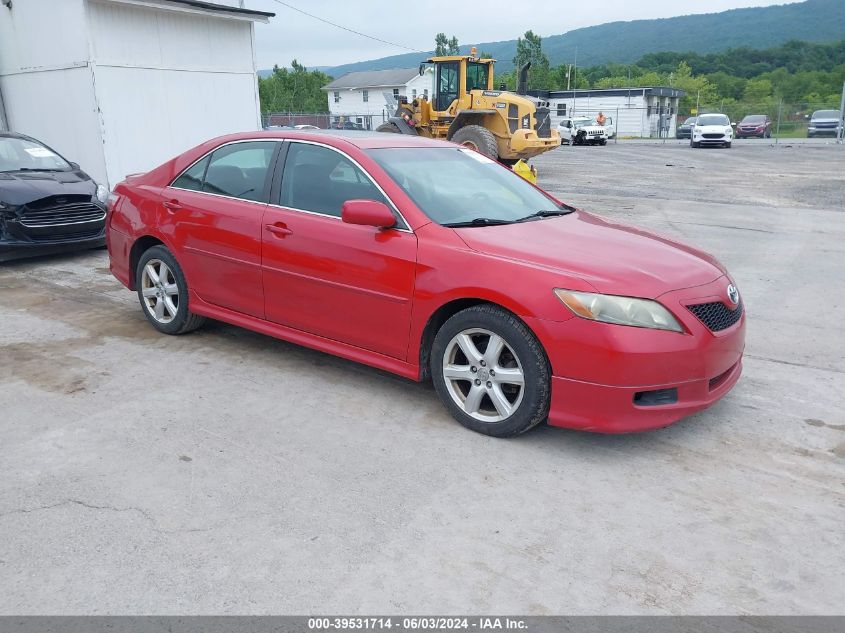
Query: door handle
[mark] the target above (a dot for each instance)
(279, 228)
(171, 205)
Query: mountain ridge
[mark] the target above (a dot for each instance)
(626, 42)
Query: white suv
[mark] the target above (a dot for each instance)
(711, 129)
(581, 130)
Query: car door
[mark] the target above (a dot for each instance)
(214, 215)
(345, 282)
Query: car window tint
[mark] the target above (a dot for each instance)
(320, 180)
(239, 170)
(191, 178)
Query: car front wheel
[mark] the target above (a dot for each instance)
(491, 372)
(163, 292)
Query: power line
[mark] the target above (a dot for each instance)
(377, 39)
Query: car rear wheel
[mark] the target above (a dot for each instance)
(491, 372)
(163, 292)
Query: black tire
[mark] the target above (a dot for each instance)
(184, 320)
(389, 127)
(693, 144)
(603, 142)
(533, 408)
(478, 138)
(727, 145)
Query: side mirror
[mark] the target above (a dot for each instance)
(74, 166)
(367, 213)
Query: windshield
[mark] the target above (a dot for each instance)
(826, 114)
(459, 185)
(583, 122)
(690, 121)
(713, 119)
(476, 76)
(754, 118)
(18, 154)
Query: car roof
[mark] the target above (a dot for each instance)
(342, 138)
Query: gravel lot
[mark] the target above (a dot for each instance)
(227, 472)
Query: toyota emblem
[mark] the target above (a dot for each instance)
(733, 294)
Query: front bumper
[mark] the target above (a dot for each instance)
(12, 249)
(822, 131)
(722, 139)
(599, 369)
(683, 134)
(525, 144)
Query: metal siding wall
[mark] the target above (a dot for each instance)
(149, 116)
(58, 108)
(166, 81)
(126, 35)
(38, 34)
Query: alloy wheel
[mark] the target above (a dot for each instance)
(160, 291)
(483, 375)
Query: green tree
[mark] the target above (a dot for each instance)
(530, 49)
(293, 90)
(757, 90)
(445, 46)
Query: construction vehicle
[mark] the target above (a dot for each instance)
(465, 109)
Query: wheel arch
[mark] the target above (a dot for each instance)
(443, 313)
(139, 247)
(468, 117)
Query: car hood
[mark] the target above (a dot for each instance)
(613, 258)
(20, 188)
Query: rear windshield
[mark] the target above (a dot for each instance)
(826, 114)
(713, 119)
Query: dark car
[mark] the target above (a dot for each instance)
(47, 204)
(685, 129)
(346, 125)
(754, 125)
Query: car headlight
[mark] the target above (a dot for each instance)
(102, 193)
(619, 310)
(728, 130)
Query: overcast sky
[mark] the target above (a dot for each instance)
(293, 35)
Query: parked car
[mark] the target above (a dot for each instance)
(270, 128)
(306, 127)
(824, 123)
(346, 125)
(754, 125)
(581, 130)
(430, 260)
(684, 130)
(47, 204)
(711, 130)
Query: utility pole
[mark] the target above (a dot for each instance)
(840, 134)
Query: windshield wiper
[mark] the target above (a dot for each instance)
(11, 171)
(545, 213)
(478, 222)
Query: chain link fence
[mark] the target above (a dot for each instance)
(782, 120)
(324, 120)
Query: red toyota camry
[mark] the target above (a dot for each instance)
(429, 260)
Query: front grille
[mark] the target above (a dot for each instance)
(713, 135)
(543, 127)
(716, 315)
(62, 214)
(67, 237)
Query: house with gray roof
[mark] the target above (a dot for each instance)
(368, 97)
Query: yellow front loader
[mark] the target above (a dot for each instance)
(465, 109)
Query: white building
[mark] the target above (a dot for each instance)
(360, 97)
(635, 112)
(120, 86)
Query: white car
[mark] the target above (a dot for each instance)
(581, 130)
(711, 129)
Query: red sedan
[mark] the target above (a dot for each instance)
(429, 260)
